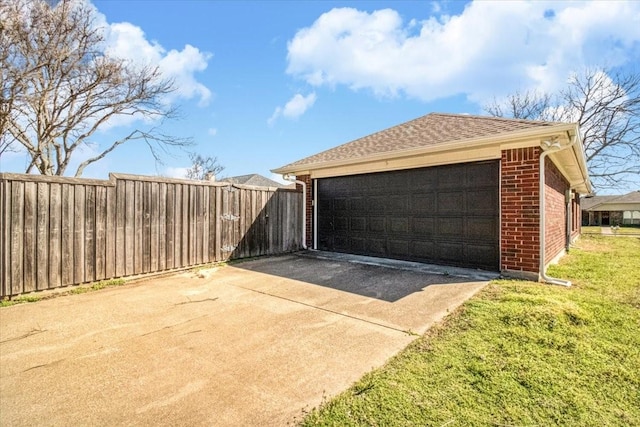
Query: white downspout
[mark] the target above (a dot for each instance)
(549, 147)
(315, 214)
(304, 208)
(569, 218)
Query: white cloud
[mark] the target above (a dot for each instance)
(212, 131)
(298, 105)
(175, 172)
(294, 108)
(181, 66)
(128, 41)
(491, 48)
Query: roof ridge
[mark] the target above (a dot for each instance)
(481, 117)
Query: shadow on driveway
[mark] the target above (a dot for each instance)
(382, 279)
(254, 343)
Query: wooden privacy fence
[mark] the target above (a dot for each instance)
(58, 231)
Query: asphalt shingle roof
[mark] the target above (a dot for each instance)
(256, 180)
(425, 131)
(591, 202)
(633, 197)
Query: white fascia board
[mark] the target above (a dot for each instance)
(519, 139)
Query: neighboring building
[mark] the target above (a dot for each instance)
(611, 210)
(257, 181)
(450, 189)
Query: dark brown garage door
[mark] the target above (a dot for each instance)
(443, 214)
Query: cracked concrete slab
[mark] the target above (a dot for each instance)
(255, 343)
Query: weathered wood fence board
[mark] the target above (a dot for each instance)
(63, 231)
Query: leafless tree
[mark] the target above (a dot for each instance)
(59, 87)
(531, 105)
(203, 168)
(606, 105)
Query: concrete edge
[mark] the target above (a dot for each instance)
(521, 275)
(466, 273)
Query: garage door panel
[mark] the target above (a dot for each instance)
(483, 254)
(451, 176)
(376, 246)
(443, 214)
(423, 203)
(341, 204)
(325, 242)
(422, 180)
(342, 184)
(450, 202)
(399, 225)
(396, 204)
(481, 174)
(358, 204)
(377, 224)
(357, 181)
(397, 181)
(424, 250)
(341, 223)
(481, 229)
(399, 248)
(423, 226)
(325, 224)
(340, 243)
(451, 227)
(358, 245)
(450, 251)
(482, 202)
(325, 205)
(375, 204)
(358, 224)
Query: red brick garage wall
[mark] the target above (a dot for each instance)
(519, 195)
(555, 211)
(308, 206)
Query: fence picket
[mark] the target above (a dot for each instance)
(65, 231)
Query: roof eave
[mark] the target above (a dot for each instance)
(510, 137)
(577, 172)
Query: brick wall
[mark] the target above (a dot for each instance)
(576, 228)
(520, 249)
(555, 211)
(308, 206)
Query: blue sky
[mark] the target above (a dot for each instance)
(262, 84)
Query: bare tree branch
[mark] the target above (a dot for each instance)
(59, 87)
(203, 168)
(606, 105)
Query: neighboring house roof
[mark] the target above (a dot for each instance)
(629, 201)
(441, 139)
(257, 181)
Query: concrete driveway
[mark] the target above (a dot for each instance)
(256, 343)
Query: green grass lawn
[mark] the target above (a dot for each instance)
(519, 354)
(593, 229)
(628, 230)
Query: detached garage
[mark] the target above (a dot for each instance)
(450, 189)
